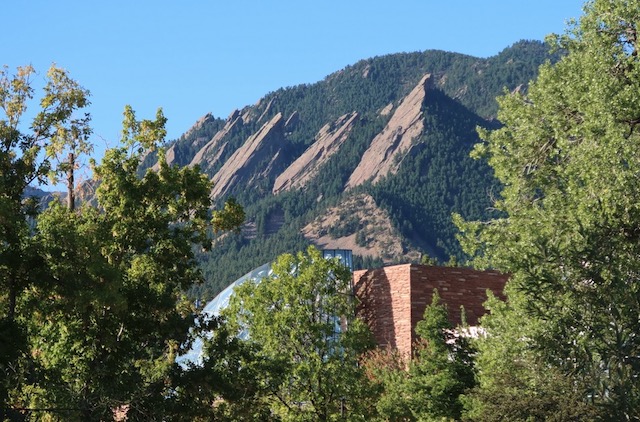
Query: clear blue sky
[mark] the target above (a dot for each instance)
(193, 57)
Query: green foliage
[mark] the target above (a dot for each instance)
(72, 136)
(515, 384)
(546, 395)
(93, 304)
(235, 255)
(225, 386)
(425, 259)
(229, 218)
(567, 157)
(27, 157)
(442, 369)
(109, 318)
(387, 371)
(296, 321)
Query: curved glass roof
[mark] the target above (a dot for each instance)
(217, 304)
(221, 301)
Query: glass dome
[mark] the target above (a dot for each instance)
(213, 308)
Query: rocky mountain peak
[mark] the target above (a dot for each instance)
(384, 155)
(213, 150)
(244, 164)
(326, 143)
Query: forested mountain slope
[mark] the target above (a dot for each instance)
(386, 140)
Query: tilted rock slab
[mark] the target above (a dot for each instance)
(389, 147)
(170, 155)
(213, 149)
(328, 141)
(241, 166)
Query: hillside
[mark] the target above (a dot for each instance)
(375, 157)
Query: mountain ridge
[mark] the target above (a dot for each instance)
(395, 129)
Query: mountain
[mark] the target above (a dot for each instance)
(374, 158)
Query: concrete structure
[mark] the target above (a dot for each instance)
(393, 299)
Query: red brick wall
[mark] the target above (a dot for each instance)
(393, 299)
(385, 303)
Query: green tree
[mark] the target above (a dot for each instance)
(301, 321)
(109, 315)
(227, 385)
(515, 384)
(442, 369)
(27, 156)
(568, 233)
(386, 370)
(71, 136)
(425, 259)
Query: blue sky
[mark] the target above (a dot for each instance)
(193, 57)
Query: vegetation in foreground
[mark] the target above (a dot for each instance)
(566, 339)
(93, 312)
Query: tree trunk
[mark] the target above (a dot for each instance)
(71, 200)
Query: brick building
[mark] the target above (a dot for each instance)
(393, 298)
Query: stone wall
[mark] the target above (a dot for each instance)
(392, 299)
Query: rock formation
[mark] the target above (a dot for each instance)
(216, 146)
(387, 149)
(327, 142)
(360, 225)
(241, 166)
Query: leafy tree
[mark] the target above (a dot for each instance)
(93, 298)
(228, 385)
(386, 370)
(568, 158)
(425, 259)
(119, 316)
(442, 369)
(70, 137)
(515, 384)
(512, 398)
(296, 320)
(26, 156)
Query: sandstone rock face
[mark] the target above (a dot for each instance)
(360, 225)
(327, 142)
(213, 149)
(200, 141)
(267, 109)
(198, 125)
(241, 166)
(386, 110)
(387, 149)
(170, 155)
